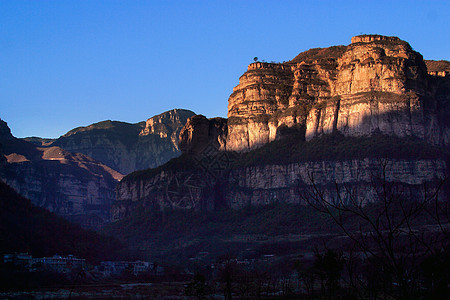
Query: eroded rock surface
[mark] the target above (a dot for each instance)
(129, 147)
(200, 132)
(71, 185)
(377, 84)
(268, 184)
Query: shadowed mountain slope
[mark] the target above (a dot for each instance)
(129, 147)
(27, 228)
(72, 185)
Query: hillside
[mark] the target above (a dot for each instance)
(343, 115)
(129, 147)
(437, 67)
(178, 235)
(75, 175)
(27, 228)
(72, 185)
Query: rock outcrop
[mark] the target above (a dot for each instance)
(440, 68)
(268, 184)
(377, 84)
(5, 131)
(72, 185)
(256, 107)
(200, 133)
(167, 124)
(129, 147)
(376, 88)
(258, 185)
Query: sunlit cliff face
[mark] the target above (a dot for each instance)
(375, 84)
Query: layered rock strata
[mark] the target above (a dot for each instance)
(377, 84)
(292, 182)
(74, 186)
(199, 133)
(268, 184)
(129, 147)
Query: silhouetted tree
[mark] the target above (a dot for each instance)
(328, 266)
(227, 274)
(390, 232)
(197, 287)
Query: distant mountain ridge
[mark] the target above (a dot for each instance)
(71, 185)
(75, 175)
(127, 147)
(108, 124)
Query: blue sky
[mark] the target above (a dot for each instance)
(65, 64)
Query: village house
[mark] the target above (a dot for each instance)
(56, 263)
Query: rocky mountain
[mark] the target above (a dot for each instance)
(71, 185)
(39, 141)
(75, 175)
(200, 132)
(283, 172)
(386, 114)
(375, 84)
(129, 147)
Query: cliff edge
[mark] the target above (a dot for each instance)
(377, 84)
(343, 115)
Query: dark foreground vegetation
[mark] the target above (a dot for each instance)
(395, 247)
(330, 274)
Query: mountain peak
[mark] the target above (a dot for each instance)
(167, 123)
(5, 131)
(353, 89)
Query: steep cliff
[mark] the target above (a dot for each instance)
(268, 184)
(340, 115)
(259, 185)
(201, 133)
(440, 68)
(284, 171)
(74, 186)
(129, 147)
(377, 84)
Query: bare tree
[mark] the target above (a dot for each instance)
(395, 232)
